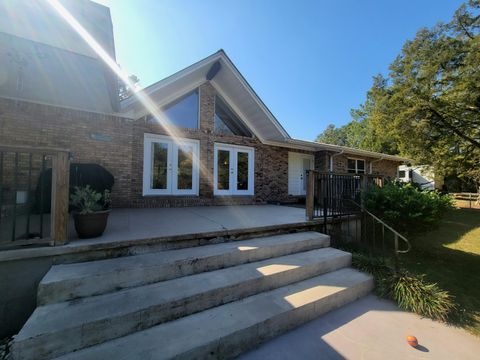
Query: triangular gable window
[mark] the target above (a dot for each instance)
(183, 112)
(227, 122)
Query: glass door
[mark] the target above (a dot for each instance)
(233, 170)
(161, 167)
(183, 174)
(170, 167)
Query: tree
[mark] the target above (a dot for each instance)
(124, 91)
(333, 135)
(428, 108)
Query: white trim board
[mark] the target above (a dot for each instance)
(234, 150)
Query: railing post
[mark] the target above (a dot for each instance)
(363, 188)
(310, 195)
(396, 254)
(60, 188)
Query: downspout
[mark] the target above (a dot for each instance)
(331, 159)
(374, 161)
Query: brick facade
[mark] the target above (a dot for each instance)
(383, 167)
(116, 143)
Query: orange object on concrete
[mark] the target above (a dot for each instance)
(412, 340)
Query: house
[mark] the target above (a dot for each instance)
(223, 144)
(204, 137)
(422, 175)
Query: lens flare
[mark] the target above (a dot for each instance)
(144, 99)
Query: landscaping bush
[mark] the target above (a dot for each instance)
(407, 208)
(409, 291)
(412, 293)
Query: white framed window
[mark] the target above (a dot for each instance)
(355, 166)
(170, 167)
(233, 170)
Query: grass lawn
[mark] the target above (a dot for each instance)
(450, 256)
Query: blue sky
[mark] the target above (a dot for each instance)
(309, 61)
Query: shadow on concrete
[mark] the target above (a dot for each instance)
(421, 348)
(308, 342)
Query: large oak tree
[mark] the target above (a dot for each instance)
(428, 108)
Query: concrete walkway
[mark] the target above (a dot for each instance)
(130, 224)
(370, 328)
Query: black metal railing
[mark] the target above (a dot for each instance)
(337, 198)
(331, 192)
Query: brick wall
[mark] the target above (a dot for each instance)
(25, 123)
(117, 144)
(271, 163)
(382, 167)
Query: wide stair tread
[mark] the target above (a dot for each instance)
(228, 330)
(93, 320)
(77, 280)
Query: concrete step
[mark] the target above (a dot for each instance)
(64, 327)
(226, 331)
(78, 280)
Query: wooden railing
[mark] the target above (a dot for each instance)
(20, 168)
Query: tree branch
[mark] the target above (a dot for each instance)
(445, 123)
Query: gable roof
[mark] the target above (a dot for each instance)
(228, 81)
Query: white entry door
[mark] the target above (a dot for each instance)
(170, 167)
(233, 170)
(298, 164)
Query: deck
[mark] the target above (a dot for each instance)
(165, 227)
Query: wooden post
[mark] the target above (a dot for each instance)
(60, 188)
(310, 195)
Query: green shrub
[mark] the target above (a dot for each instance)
(409, 291)
(412, 293)
(86, 200)
(407, 208)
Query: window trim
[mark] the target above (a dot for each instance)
(234, 149)
(356, 165)
(148, 140)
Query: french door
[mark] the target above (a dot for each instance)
(233, 170)
(170, 167)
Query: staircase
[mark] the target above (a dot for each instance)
(211, 301)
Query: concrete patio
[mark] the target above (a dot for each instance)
(132, 224)
(369, 328)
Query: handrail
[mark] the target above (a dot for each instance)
(395, 232)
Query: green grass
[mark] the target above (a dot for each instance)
(450, 257)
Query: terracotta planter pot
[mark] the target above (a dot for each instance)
(91, 225)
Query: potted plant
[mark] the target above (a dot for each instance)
(91, 211)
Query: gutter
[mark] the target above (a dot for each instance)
(331, 159)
